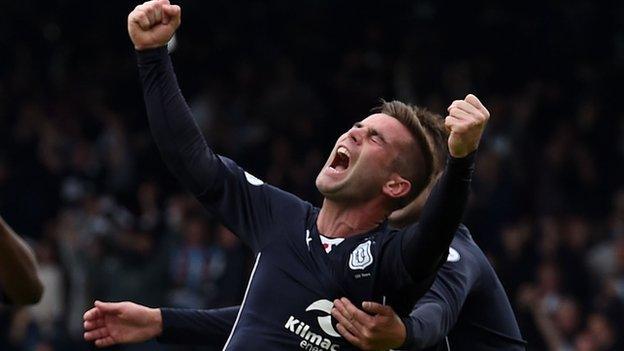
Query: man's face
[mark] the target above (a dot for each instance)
(362, 159)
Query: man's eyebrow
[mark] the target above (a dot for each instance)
(371, 131)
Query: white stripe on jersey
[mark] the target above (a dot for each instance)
(240, 310)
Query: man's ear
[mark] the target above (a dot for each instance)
(397, 187)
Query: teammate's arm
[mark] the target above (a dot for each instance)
(18, 269)
(113, 323)
(197, 327)
(425, 244)
(437, 311)
(376, 327)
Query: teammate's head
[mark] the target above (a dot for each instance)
(385, 156)
(437, 136)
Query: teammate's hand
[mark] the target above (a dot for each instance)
(379, 329)
(111, 323)
(153, 23)
(466, 120)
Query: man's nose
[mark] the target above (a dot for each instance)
(356, 134)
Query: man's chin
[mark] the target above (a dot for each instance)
(325, 190)
(329, 190)
(325, 184)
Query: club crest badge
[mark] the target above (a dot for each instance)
(361, 257)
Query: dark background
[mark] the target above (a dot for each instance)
(272, 84)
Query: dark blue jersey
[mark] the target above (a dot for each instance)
(465, 309)
(294, 281)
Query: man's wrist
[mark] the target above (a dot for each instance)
(408, 342)
(402, 333)
(152, 55)
(468, 157)
(461, 167)
(156, 321)
(149, 47)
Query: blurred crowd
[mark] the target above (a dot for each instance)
(272, 85)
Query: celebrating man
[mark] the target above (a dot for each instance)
(379, 165)
(465, 309)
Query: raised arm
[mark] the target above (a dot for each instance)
(18, 269)
(425, 244)
(243, 203)
(181, 144)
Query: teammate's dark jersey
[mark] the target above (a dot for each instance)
(294, 281)
(465, 309)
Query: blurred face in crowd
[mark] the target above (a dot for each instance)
(194, 233)
(601, 330)
(567, 316)
(548, 277)
(362, 164)
(585, 342)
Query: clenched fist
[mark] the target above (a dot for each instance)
(466, 121)
(153, 23)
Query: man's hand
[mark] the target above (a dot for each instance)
(379, 329)
(111, 323)
(153, 23)
(466, 120)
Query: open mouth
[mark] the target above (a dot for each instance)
(341, 160)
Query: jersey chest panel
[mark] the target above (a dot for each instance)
(294, 286)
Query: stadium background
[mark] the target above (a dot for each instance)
(272, 84)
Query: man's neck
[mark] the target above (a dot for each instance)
(338, 220)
